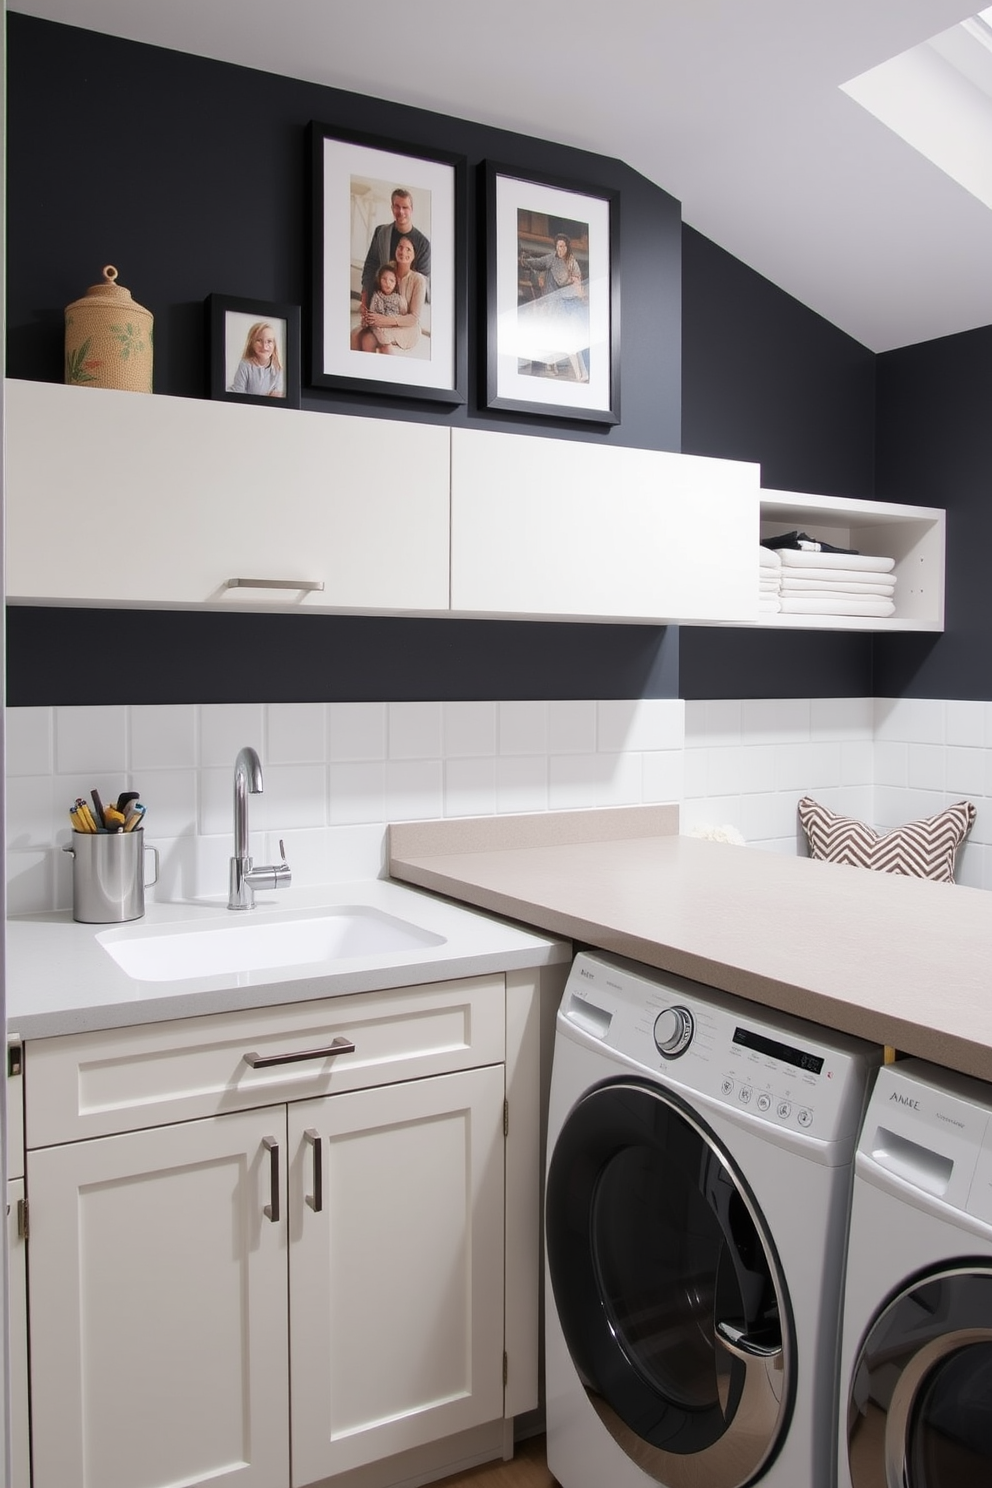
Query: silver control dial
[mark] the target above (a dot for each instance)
(673, 1030)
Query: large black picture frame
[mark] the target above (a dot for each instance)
(552, 332)
(357, 181)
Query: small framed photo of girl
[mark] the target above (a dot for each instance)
(254, 351)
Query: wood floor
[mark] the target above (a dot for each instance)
(529, 1469)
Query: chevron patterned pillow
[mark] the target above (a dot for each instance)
(922, 849)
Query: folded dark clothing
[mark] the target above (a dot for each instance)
(802, 540)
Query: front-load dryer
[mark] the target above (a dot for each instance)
(700, 1154)
(916, 1355)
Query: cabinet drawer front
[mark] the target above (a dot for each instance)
(94, 1084)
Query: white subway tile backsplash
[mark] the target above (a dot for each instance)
(522, 783)
(470, 787)
(776, 720)
(469, 729)
(841, 718)
(164, 738)
(225, 728)
(662, 775)
(294, 796)
(926, 768)
(576, 781)
(571, 727)
(646, 723)
(295, 734)
(913, 720)
(336, 773)
(523, 728)
(857, 762)
(29, 741)
(357, 792)
(964, 771)
(170, 801)
(90, 739)
(718, 722)
(414, 790)
(414, 731)
(30, 881)
(356, 731)
(964, 724)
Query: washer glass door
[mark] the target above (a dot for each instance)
(920, 1413)
(667, 1288)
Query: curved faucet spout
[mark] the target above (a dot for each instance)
(245, 877)
(247, 777)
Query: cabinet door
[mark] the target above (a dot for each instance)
(396, 1281)
(549, 527)
(204, 492)
(17, 1323)
(158, 1308)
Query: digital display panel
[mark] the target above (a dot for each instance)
(748, 1039)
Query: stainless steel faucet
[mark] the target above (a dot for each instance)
(245, 877)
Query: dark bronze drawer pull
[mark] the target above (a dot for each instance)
(265, 1061)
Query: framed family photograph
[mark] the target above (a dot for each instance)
(552, 297)
(388, 260)
(254, 351)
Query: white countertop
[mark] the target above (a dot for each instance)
(61, 979)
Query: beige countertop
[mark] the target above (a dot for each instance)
(896, 960)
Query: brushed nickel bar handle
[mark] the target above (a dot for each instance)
(265, 1061)
(316, 1199)
(271, 1210)
(309, 585)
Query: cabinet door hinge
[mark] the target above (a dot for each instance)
(22, 1219)
(506, 1369)
(506, 1118)
(15, 1060)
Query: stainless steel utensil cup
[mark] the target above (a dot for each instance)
(108, 876)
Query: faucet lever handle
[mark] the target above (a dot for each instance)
(282, 849)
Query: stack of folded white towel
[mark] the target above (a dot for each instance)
(798, 582)
(769, 575)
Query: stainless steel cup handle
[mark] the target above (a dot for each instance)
(154, 852)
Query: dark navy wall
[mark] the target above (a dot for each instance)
(167, 166)
(192, 177)
(765, 379)
(935, 449)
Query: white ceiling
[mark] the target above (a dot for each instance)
(733, 106)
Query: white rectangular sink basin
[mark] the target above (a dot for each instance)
(311, 937)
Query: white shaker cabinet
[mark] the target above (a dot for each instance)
(122, 499)
(158, 1335)
(299, 1214)
(574, 530)
(396, 1282)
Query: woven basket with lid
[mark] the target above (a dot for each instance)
(108, 338)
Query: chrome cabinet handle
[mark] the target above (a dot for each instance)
(264, 1061)
(311, 586)
(271, 1210)
(316, 1199)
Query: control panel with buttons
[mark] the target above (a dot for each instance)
(767, 1066)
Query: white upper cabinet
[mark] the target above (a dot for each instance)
(566, 529)
(119, 498)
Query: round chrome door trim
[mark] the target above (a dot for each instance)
(913, 1350)
(904, 1395)
(754, 1385)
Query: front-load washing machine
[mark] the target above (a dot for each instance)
(916, 1353)
(700, 1158)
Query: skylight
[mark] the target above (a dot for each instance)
(938, 98)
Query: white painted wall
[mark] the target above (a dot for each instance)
(336, 773)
